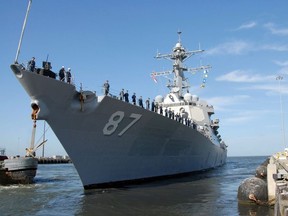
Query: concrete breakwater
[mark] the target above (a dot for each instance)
(269, 186)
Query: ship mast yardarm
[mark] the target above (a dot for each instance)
(178, 56)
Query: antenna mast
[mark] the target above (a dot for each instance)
(178, 56)
(22, 32)
(179, 36)
(280, 78)
(44, 139)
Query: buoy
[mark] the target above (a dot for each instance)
(253, 189)
(261, 171)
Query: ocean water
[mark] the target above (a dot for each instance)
(58, 191)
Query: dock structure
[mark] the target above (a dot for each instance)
(54, 160)
(277, 182)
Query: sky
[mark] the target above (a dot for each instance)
(245, 42)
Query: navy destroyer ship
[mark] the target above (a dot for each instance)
(112, 142)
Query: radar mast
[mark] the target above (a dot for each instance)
(178, 56)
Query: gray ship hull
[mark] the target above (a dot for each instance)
(112, 142)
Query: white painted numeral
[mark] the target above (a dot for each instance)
(136, 118)
(115, 120)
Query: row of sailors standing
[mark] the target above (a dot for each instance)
(171, 114)
(124, 96)
(156, 108)
(177, 117)
(46, 71)
(65, 75)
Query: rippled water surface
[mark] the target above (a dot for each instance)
(58, 191)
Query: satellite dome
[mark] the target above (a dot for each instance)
(195, 98)
(178, 45)
(159, 99)
(188, 97)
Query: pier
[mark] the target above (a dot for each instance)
(277, 182)
(54, 160)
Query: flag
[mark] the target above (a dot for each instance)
(154, 78)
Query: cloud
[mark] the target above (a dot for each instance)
(277, 31)
(244, 77)
(284, 68)
(241, 47)
(220, 103)
(234, 47)
(248, 25)
(281, 63)
(271, 88)
(284, 71)
(242, 116)
(239, 119)
(274, 47)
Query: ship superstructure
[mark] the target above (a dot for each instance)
(180, 102)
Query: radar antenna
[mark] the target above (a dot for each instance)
(179, 36)
(178, 56)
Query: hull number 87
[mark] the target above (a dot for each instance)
(114, 121)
